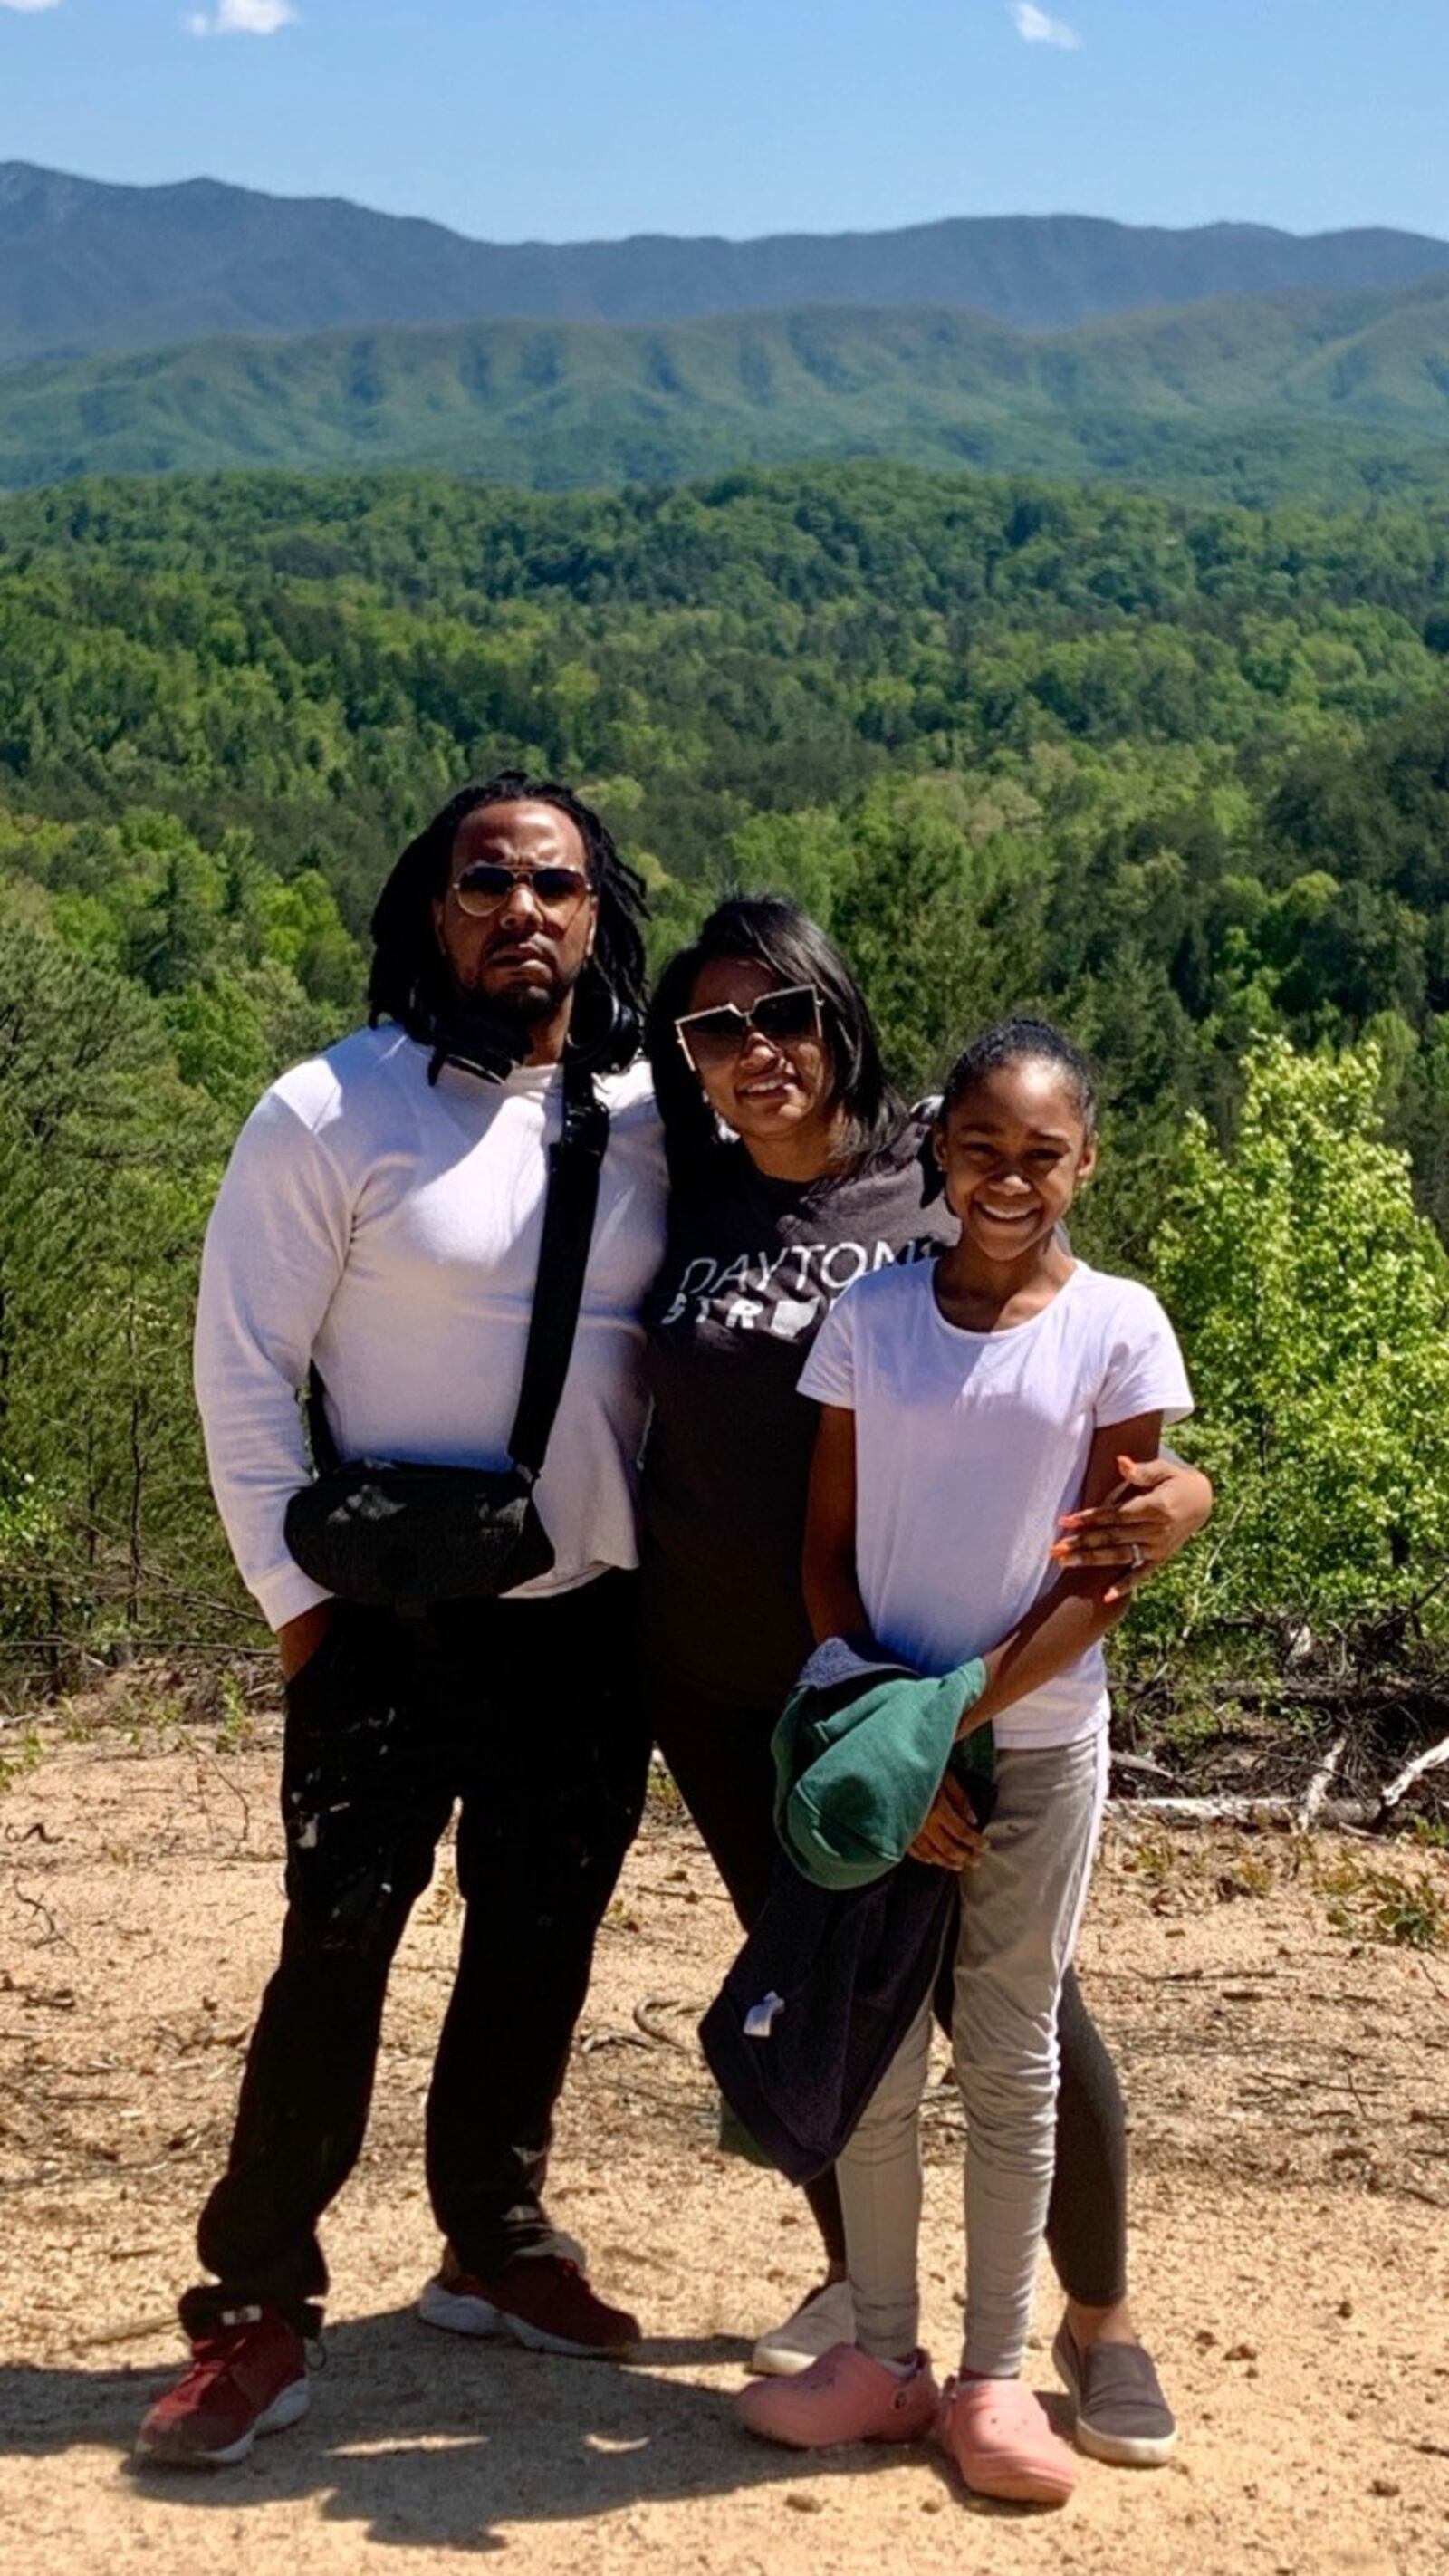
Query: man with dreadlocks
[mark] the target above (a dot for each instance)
(380, 1223)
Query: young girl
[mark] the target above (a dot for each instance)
(968, 1404)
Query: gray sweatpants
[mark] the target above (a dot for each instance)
(1021, 1910)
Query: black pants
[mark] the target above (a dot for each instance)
(527, 1714)
(719, 1756)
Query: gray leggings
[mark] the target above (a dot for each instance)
(1021, 1909)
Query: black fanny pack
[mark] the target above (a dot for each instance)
(400, 1535)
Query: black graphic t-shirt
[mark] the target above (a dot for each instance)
(751, 1270)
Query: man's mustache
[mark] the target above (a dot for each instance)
(525, 943)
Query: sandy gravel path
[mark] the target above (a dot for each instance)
(1289, 2080)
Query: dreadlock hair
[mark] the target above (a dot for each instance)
(1025, 1041)
(409, 982)
(771, 931)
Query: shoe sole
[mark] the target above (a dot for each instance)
(287, 2408)
(455, 2312)
(830, 2441)
(766, 2363)
(1020, 2486)
(1124, 2450)
(1116, 2450)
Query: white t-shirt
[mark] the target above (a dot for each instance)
(969, 1445)
(389, 1228)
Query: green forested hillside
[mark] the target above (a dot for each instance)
(1179, 775)
(1329, 397)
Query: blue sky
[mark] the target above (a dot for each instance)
(562, 119)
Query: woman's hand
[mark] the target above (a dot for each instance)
(1158, 1506)
(950, 1838)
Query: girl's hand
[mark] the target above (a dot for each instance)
(1159, 1505)
(950, 1838)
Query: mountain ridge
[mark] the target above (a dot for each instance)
(89, 266)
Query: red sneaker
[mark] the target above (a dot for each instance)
(542, 2300)
(249, 2376)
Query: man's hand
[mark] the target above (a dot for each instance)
(950, 1838)
(299, 1639)
(1159, 1505)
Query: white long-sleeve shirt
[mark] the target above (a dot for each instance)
(390, 1230)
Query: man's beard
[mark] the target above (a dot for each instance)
(523, 1002)
(489, 1035)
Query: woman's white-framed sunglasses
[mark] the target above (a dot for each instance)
(714, 1040)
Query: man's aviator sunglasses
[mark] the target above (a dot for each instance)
(486, 886)
(713, 1040)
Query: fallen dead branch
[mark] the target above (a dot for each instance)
(1354, 1687)
(648, 2016)
(163, 2322)
(1432, 1758)
(1139, 1766)
(37, 1906)
(1274, 1811)
(1320, 1784)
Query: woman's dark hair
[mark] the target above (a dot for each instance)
(769, 930)
(1023, 1041)
(409, 979)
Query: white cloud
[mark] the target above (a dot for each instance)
(24, 5)
(1035, 28)
(228, 18)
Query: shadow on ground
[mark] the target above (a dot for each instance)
(427, 2441)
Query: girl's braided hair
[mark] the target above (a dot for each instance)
(1025, 1041)
(408, 981)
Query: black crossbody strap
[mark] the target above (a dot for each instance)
(574, 1165)
(325, 1458)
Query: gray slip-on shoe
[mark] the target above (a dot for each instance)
(1121, 2413)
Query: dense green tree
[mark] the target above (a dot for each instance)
(1178, 776)
(1313, 1302)
(106, 1162)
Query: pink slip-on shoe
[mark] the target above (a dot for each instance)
(843, 2397)
(997, 2433)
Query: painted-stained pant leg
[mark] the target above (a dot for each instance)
(365, 1796)
(555, 1772)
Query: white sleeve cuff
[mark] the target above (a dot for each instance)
(286, 1593)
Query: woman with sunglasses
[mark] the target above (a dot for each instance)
(794, 1168)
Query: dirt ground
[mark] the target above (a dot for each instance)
(1288, 2074)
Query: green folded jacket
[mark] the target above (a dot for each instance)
(860, 1754)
